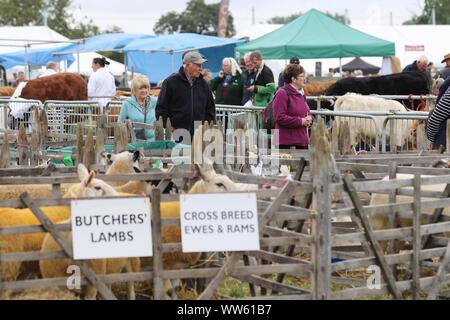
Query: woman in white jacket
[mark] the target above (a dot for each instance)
(101, 86)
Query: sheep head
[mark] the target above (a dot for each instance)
(211, 181)
(122, 163)
(90, 187)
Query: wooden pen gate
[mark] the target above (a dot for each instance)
(304, 254)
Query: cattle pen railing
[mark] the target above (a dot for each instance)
(304, 255)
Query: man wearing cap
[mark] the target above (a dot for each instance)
(185, 96)
(294, 60)
(446, 72)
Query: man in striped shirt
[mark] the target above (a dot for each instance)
(436, 127)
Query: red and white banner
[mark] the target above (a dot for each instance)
(416, 48)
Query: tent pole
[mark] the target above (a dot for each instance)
(78, 57)
(125, 61)
(27, 68)
(340, 66)
(172, 61)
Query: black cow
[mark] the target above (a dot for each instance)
(405, 83)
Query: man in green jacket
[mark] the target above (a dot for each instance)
(264, 88)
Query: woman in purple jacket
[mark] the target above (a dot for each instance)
(291, 112)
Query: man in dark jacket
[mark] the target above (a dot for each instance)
(185, 97)
(419, 65)
(264, 88)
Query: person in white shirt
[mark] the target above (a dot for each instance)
(52, 68)
(101, 86)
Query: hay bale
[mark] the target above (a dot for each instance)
(39, 294)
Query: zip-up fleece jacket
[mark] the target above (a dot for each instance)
(184, 103)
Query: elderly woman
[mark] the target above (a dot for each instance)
(291, 112)
(228, 86)
(140, 107)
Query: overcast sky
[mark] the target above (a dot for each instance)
(139, 16)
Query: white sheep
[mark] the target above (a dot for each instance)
(360, 129)
(10, 217)
(89, 187)
(212, 182)
(122, 163)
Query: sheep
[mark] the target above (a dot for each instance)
(122, 163)
(353, 102)
(24, 217)
(381, 222)
(90, 187)
(212, 182)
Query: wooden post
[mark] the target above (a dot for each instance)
(37, 125)
(131, 131)
(169, 130)
(417, 245)
(104, 291)
(381, 259)
(345, 143)
(44, 126)
(100, 143)
(89, 153)
(158, 285)
(321, 168)
(392, 218)
(35, 148)
(80, 143)
(4, 158)
(159, 130)
(22, 146)
(120, 138)
(335, 142)
(422, 141)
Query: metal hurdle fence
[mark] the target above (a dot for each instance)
(63, 116)
(14, 112)
(412, 131)
(252, 116)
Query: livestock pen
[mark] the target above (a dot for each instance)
(307, 252)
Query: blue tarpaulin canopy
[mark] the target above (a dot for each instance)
(103, 42)
(34, 57)
(160, 56)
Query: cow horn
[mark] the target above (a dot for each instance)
(331, 102)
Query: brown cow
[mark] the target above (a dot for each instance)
(317, 88)
(62, 86)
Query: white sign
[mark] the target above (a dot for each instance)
(219, 222)
(117, 228)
